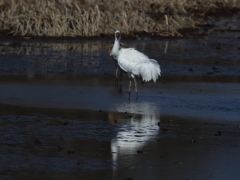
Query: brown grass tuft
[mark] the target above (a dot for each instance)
(89, 18)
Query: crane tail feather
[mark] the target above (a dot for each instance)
(150, 70)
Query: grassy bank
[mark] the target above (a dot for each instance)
(89, 18)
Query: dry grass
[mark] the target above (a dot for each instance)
(89, 18)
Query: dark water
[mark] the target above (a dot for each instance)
(212, 55)
(62, 117)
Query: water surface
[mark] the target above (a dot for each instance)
(62, 117)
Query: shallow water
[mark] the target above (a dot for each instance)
(62, 117)
(212, 55)
(43, 143)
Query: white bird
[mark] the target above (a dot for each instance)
(135, 63)
(116, 64)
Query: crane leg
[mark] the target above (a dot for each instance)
(117, 72)
(136, 90)
(116, 81)
(120, 74)
(129, 88)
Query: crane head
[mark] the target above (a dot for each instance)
(117, 34)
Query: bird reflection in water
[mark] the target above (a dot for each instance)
(138, 126)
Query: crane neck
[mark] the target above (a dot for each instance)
(116, 47)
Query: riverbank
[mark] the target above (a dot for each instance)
(75, 18)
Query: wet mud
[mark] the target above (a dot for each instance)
(62, 117)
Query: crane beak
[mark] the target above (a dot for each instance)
(117, 35)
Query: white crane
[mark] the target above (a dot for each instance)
(135, 63)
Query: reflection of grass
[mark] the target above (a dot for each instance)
(27, 48)
(96, 17)
(39, 57)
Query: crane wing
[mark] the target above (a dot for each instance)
(130, 58)
(133, 55)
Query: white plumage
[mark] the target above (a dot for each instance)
(135, 63)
